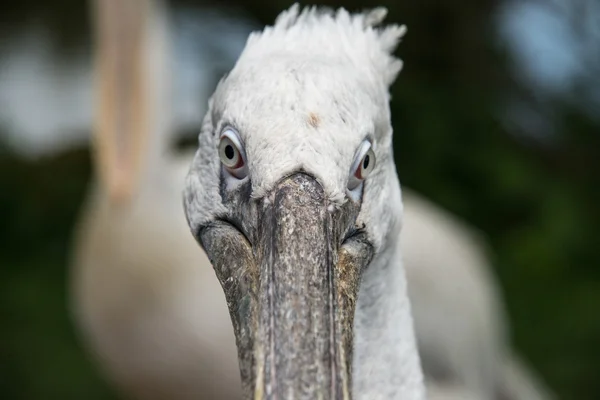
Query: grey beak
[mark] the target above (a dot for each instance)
(291, 286)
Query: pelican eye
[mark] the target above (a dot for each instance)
(231, 153)
(363, 165)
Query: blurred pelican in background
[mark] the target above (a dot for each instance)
(145, 299)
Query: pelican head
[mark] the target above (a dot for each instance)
(294, 196)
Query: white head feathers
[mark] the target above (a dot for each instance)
(349, 37)
(303, 96)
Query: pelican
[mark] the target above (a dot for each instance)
(145, 300)
(294, 196)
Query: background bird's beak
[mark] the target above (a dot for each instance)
(292, 292)
(122, 93)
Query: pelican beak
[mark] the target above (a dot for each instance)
(121, 92)
(291, 283)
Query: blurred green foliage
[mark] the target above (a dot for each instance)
(39, 358)
(537, 202)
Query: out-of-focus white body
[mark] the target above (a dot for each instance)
(460, 321)
(144, 297)
(147, 301)
(456, 306)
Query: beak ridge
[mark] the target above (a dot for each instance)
(294, 291)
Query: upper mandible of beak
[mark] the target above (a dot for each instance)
(122, 92)
(292, 294)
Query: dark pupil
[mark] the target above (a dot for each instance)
(366, 162)
(229, 152)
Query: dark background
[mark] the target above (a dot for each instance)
(532, 188)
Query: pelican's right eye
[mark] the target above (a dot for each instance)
(364, 162)
(232, 155)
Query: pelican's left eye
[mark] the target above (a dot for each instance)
(363, 165)
(231, 153)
